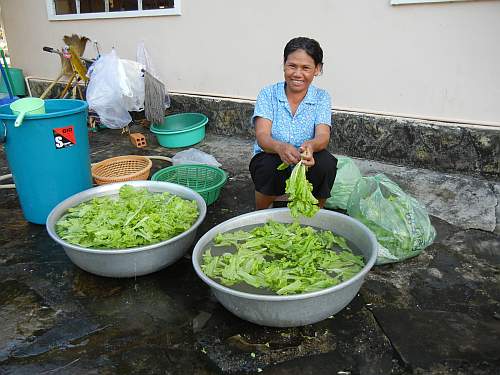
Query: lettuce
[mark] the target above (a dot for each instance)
(299, 191)
(134, 218)
(285, 258)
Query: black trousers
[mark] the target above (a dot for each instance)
(269, 181)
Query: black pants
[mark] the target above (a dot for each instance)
(269, 181)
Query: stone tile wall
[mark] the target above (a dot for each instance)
(423, 144)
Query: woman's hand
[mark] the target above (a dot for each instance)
(288, 154)
(306, 153)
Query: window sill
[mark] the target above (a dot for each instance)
(403, 2)
(127, 14)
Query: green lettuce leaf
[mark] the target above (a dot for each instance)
(282, 166)
(134, 218)
(284, 258)
(299, 191)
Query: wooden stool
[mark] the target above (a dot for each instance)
(282, 198)
(138, 140)
(280, 201)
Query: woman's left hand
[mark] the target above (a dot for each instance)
(306, 154)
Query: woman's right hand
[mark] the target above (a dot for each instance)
(288, 154)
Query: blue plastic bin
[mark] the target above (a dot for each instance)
(48, 155)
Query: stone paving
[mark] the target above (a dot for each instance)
(438, 313)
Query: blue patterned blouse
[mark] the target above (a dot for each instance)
(272, 104)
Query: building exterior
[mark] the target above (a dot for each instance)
(434, 61)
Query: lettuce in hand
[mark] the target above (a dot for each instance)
(301, 201)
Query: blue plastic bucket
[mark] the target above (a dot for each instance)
(48, 155)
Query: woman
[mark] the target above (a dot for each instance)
(292, 121)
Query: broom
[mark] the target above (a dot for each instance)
(154, 98)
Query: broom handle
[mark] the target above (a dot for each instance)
(68, 86)
(166, 158)
(47, 90)
(6, 80)
(7, 70)
(6, 186)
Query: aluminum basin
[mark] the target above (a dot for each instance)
(134, 261)
(298, 309)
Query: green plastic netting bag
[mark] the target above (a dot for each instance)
(347, 176)
(400, 223)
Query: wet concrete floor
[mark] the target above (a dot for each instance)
(438, 313)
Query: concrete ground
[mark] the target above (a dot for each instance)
(438, 313)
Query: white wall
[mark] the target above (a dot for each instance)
(428, 60)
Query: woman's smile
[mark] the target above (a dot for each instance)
(296, 82)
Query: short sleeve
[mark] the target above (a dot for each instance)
(324, 109)
(263, 106)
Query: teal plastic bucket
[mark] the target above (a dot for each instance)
(181, 130)
(48, 155)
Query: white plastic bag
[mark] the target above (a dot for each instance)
(194, 156)
(144, 59)
(131, 84)
(104, 93)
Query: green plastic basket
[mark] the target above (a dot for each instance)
(204, 179)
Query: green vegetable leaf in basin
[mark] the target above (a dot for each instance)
(136, 217)
(284, 258)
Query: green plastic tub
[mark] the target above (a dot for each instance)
(17, 81)
(204, 179)
(181, 130)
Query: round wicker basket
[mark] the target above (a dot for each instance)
(122, 168)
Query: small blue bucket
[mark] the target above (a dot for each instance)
(48, 155)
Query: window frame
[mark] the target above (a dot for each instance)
(52, 16)
(403, 2)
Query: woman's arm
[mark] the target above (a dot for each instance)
(287, 153)
(323, 121)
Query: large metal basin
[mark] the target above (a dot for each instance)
(135, 261)
(298, 309)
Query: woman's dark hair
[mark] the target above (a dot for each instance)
(310, 46)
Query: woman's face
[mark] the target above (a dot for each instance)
(300, 70)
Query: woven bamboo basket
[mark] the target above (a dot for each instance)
(121, 168)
